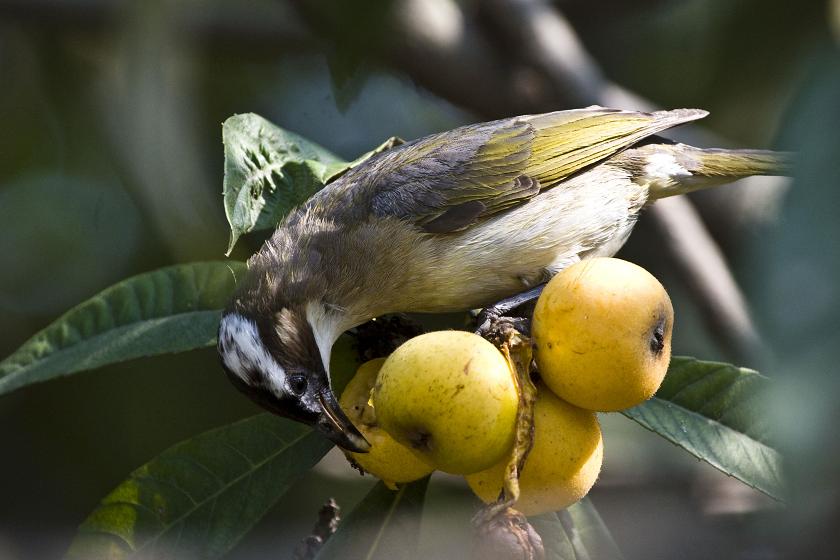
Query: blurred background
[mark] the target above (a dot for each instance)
(111, 165)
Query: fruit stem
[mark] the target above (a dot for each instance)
(518, 352)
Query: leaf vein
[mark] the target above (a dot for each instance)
(235, 480)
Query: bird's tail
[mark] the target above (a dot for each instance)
(671, 169)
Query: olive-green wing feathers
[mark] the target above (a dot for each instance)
(448, 181)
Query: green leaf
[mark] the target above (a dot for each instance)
(576, 533)
(716, 412)
(198, 498)
(269, 171)
(173, 309)
(384, 525)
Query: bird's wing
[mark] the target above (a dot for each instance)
(448, 181)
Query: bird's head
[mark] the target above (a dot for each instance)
(277, 362)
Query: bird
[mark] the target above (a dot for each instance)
(453, 221)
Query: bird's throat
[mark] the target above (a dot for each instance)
(327, 322)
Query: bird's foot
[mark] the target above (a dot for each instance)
(495, 328)
(494, 321)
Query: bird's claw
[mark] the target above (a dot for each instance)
(495, 327)
(507, 314)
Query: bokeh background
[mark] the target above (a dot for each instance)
(111, 164)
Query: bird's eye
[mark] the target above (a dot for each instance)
(297, 383)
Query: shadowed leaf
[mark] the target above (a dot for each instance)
(198, 498)
(715, 412)
(576, 533)
(385, 525)
(173, 309)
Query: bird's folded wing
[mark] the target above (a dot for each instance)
(449, 181)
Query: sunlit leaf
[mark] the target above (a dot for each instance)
(385, 526)
(576, 533)
(715, 412)
(173, 309)
(269, 171)
(198, 498)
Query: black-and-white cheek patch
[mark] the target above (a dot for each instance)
(244, 354)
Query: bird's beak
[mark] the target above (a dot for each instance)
(333, 423)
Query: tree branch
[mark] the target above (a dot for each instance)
(704, 271)
(545, 66)
(547, 38)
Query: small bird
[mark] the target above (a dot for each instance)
(453, 221)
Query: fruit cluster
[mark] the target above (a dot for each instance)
(448, 400)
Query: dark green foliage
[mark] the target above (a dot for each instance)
(198, 498)
(173, 309)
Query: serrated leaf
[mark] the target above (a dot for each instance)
(198, 498)
(269, 171)
(385, 525)
(173, 309)
(576, 533)
(715, 412)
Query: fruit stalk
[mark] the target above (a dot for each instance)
(518, 352)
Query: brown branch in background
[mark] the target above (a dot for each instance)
(435, 42)
(705, 273)
(455, 53)
(328, 519)
(547, 38)
(544, 67)
(544, 38)
(541, 33)
(443, 49)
